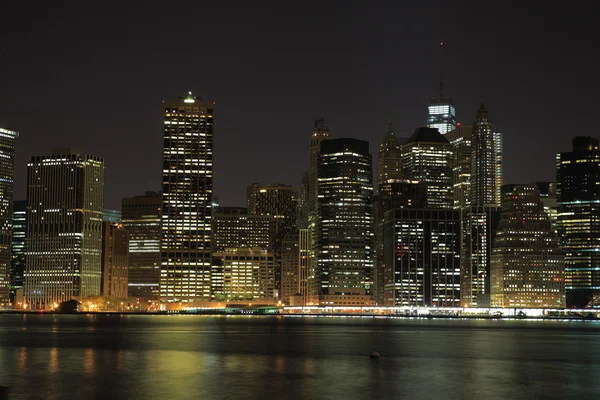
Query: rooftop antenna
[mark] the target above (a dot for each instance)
(441, 69)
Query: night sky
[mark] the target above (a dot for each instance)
(93, 77)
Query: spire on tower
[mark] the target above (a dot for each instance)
(441, 69)
(390, 131)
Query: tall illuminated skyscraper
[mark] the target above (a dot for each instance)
(578, 198)
(486, 161)
(527, 266)
(141, 216)
(344, 225)
(65, 201)
(389, 157)
(427, 158)
(187, 200)
(7, 172)
(19, 249)
(441, 113)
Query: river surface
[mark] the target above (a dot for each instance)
(269, 357)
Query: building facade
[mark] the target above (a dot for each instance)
(527, 267)
(244, 274)
(115, 260)
(233, 227)
(280, 202)
(19, 233)
(65, 201)
(422, 253)
(141, 216)
(343, 238)
(427, 158)
(392, 194)
(290, 266)
(578, 199)
(319, 134)
(8, 138)
(187, 200)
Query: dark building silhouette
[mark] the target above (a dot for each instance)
(19, 233)
(141, 216)
(578, 199)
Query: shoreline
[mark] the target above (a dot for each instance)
(307, 315)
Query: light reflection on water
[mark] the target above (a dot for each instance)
(203, 357)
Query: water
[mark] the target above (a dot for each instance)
(254, 357)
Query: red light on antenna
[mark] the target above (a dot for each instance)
(441, 43)
(458, 124)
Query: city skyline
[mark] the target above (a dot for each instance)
(260, 114)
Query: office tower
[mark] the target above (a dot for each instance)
(112, 216)
(319, 134)
(115, 255)
(441, 113)
(19, 233)
(460, 139)
(427, 158)
(344, 224)
(141, 216)
(486, 161)
(481, 212)
(7, 172)
(65, 201)
(290, 258)
(281, 203)
(243, 274)
(187, 200)
(479, 224)
(233, 227)
(422, 252)
(392, 194)
(578, 198)
(389, 157)
(304, 265)
(527, 268)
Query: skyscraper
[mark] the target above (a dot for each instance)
(427, 158)
(115, 260)
(344, 224)
(319, 134)
(112, 216)
(389, 157)
(460, 139)
(7, 172)
(392, 194)
(65, 201)
(187, 200)
(141, 216)
(441, 114)
(290, 258)
(486, 161)
(527, 267)
(578, 197)
(422, 253)
(19, 233)
(280, 202)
